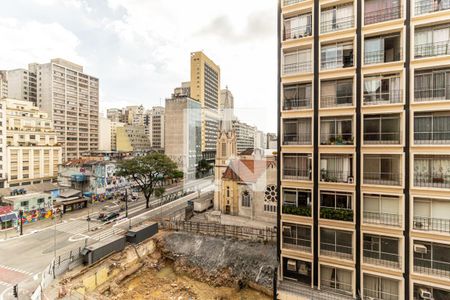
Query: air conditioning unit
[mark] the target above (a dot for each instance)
(350, 179)
(418, 248)
(425, 294)
(291, 265)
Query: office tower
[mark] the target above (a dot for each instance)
(70, 98)
(3, 84)
(22, 84)
(115, 114)
(226, 110)
(182, 133)
(364, 143)
(245, 135)
(154, 126)
(205, 87)
(30, 153)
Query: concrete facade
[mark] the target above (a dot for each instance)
(105, 134)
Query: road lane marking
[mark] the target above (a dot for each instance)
(16, 270)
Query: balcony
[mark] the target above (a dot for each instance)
(291, 2)
(382, 169)
(336, 168)
(297, 27)
(336, 206)
(431, 224)
(296, 272)
(432, 128)
(377, 11)
(297, 202)
(298, 61)
(382, 49)
(381, 251)
(336, 131)
(382, 89)
(336, 243)
(336, 56)
(297, 96)
(382, 288)
(430, 49)
(336, 93)
(431, 215)
(429, 6)
(296, 237)
(423, 292)
(336, 18)
(382, 129)
(335, 280)
(297, 67)
(431, 85)
(432, 259)
(297, 167)
(297, 131)
(432, 171)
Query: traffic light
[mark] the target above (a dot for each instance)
(16, 291)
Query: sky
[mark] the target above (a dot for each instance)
(140, 49)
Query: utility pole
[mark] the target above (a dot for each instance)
(21, 221)
(126, 203)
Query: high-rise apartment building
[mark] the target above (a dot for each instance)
(154, 126)
(30, 151)
(134, 115)
(364, 149)
(245, 135)
(22, 85)
(205, 88)
(3, 84)
(68, 96)
(131, 138)
(104, 134)
(115, 114)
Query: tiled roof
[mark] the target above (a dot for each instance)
(246, 170)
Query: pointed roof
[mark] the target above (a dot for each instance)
(246, 170)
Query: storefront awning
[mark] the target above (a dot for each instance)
(8, 217)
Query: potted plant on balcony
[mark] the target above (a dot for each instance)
(339, 140)
(331, 140)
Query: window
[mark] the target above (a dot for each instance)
(432, 128)
(297, 131)
(228, 191)
(336, 131)
(297, 166)
(24, 204)
(337, 243)
(297, 96)
(380, 288)
(334, 93)
(40, 200)
(246, 198)
(382, 89)
(381, 209)
(297, 61)
(382, 49)
(336, 18)
(382, 129)
(296, 236)
(336, 168)
(338, 280)
(432, 41)
(297, 27)
(270, 199)
(339, 55)
(336, 200)
(432, 85)
(376, 11)
(382, 248)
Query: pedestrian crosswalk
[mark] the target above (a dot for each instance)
(104, 234)
(16, 270)
(73, 227)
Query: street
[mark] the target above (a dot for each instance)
(27, 256)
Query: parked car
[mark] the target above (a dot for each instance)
(114, 208)
(110, 217)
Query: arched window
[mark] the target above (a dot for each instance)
(245, 199)
(228, 191)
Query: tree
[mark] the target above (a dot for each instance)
(203, 167)
(149, 172)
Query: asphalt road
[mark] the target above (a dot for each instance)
(27, 256)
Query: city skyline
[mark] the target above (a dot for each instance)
(150, 54)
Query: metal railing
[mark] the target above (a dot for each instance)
(337, 24)
(435, 138)
(382, 15)
(339, 251)
(336, 101)
(336, 286)
(301, 291)
(380, 218)
(434, 180)
(297, 244)
(391, 97)
(339, 214)
(382, 178)
(336, 176)
(432, 49)
(370, 294)
(433, 268)
(428, 6)
(304, 211)
(296, 174)
(431, 224)
(336, 139)
(299, 67)
(431, 94)
(379, 56)
(290, 2)
(337, 63)
(383, 259)
(298, 32)
(293, 104)
(382, 138)
(301, 138)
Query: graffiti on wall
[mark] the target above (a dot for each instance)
(36, 215)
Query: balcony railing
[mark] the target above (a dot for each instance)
(382, 138)
(298, 32)
(391, 97)
(428, 6)
(303, 246)
(290, 2)
(336, 101)
(432, 49)
(293, 104)
(382, 178)
(433, 180)
(380, 218)
(336, 139)
(296, 174)
(432, 224)
(297, 139)
(379, 57)
(431, 94)
(339, 214)
(335, 25)
(299, 67)
(343, 252)
(433, 268)
(336, 176)
(435, 138)
(383, 259)
(303, 211)
(337, 62)
(382, 15)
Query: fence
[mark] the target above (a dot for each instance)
(238, 232)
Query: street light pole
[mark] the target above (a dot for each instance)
(21, 221)
(126, 203)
